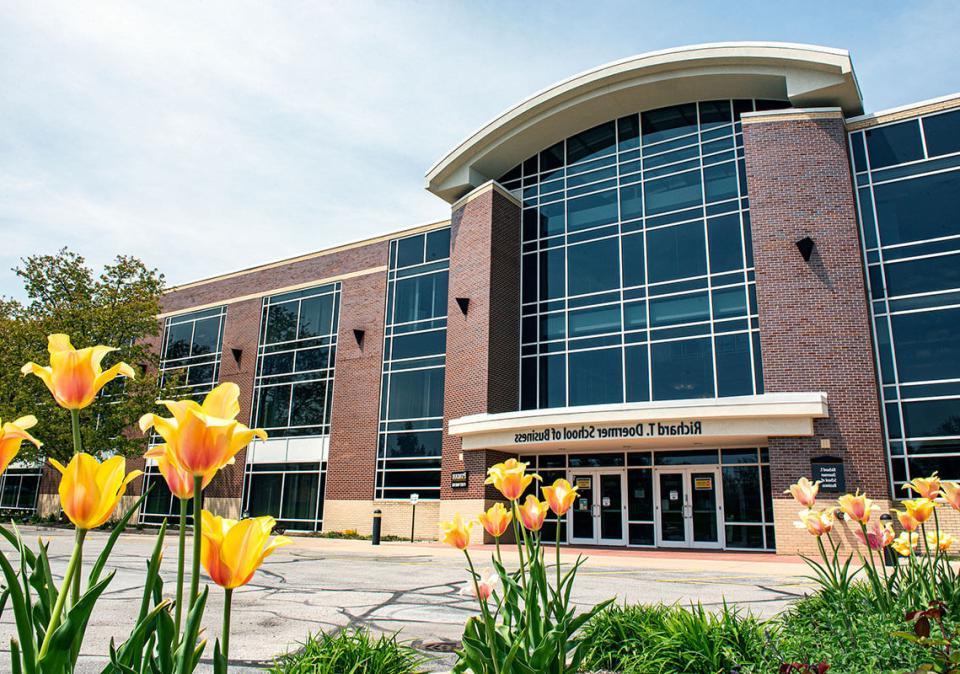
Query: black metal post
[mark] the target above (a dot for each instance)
(377, 519)
(413, 520)
(888, 555)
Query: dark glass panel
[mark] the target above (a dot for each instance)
(686, 457)
(159, 498)
(200, 374)
(552, 218)
(552, 157)
(529, 269)
(922, 276)
(552, 326)
(720, 182)
(416, 394)
(604, 460)
(635, 315)
(639, 459)
(632, 252)
(668, 122)
(313, 359)
(263, 495)
(419, 344)
(530, 230)
(413, 444)
(528, 383)
(859, 153)
(593, 267)
(316, 316)
(631, 202)
(553, 381)
(591, 143)
(744, 537)
(682, 369)
(713, 113)
(309, 399)
(741, 494)
(438, 244)
(672, 193)
(757, 362)
(420, 297)
(552, 274)
(206, 336)
(596, 377)
(734, 376)
(178, 340)
(592, 210)
(410, 251)
(942, 133)
(927, 345)
(628, 132)
(918, 208)
(512, 174)
(931, 418)
(729, 302)
(530, 166)
(732, 456)
(948, 467)
(894, 144)
(29, 486)
(638, 382)
(767, 104)
(676, 252)
(679, 309)
(641, 534)
(281, 322)
(740, 107)
(640, 494)
(274, 406)
(726, 248)
(594, 321)
(300, 495)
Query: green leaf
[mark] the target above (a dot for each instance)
(16, 667)
(23, 621)
(112, 540)
(184, 658)
(59, 655)
(130, 652)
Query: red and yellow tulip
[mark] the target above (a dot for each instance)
(532, 513)
(74, 376)
(817, 522)
(90, 490)
(12, 435)
(907, 520)
(925, 487)
(876, 535)
(496, 520)
(856, 506)
(951, 493)
(178, 480)
(232, 551)
(510, 478)
(202, 439)
(456, 533)
(921, 509)
(560, 497)
(804, 492)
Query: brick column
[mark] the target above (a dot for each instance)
(815, 330)
(483, 346)
(351, 468)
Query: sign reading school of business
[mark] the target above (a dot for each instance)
(585, 432)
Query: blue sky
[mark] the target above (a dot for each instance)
(207, 137)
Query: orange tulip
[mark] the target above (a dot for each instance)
(951, 493)
(496, 520)
(12, 435)
(817, 522)
(510, 478)
(856, 506)
(178, 480)
(90, 490)
(907, 520)
(905, 543)
(202, 439)
(921, 509)
(560, 497)
(232, 551)
(74, 376)
(804, 492)
(532, 513)
(925, 487)
(456, 532)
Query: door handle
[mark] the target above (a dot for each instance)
(596, 510)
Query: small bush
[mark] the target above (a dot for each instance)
(350, 652)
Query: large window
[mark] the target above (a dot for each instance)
(19, 486)
(291, 493)
(414, 354)
(908, 189)
(637, 263)
(192, 346)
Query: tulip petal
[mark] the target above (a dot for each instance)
(59, 342)
(44, 373)
(108, 376)
(223, 401)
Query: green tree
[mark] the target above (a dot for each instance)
(119, 308)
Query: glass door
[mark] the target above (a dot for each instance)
(598, 515)
(610, 509)
(581, 523)
(705, 509)
(672, 509)
(688, 508)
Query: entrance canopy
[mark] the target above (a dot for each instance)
(741, 420)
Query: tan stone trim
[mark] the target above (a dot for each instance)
(480, 191)
(309, 256)
(792, 115)
(275, 291)
(905, 112)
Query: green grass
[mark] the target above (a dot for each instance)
(350, 652)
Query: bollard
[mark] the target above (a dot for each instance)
(377, 518)
(889, 558)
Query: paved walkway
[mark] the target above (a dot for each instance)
(412, 588)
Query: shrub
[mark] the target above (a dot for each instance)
(350, 652)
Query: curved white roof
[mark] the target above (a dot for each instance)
(805, 75)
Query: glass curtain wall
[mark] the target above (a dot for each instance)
(190, 359)
(414, 356)
(908, 188)
(637, 265)
(19, 486)
(293, 398)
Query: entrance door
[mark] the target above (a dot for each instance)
(688, 508)
(599, 513)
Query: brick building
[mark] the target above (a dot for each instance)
(681, 281)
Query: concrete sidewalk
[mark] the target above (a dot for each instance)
(322, 584)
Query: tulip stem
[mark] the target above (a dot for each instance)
(558, 554)
(72, 566)
(487, 621)
(181, 555)
(195, 562)
(227, 601)
(75, 424)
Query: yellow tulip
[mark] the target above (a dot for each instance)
(532, 513)
(232, 551)
(496, 520)
(804, 492)
(856, 506)
(12, 435)
(202, 439)
(456, 533)
(905, 543)
(951, 494)
(940, 539)
(179, 481)
(921, 509)
(74, 376)
(560, 497)
(817, 522)
(907, 520)
(925, 487)
(510, 478)
(90, 490)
